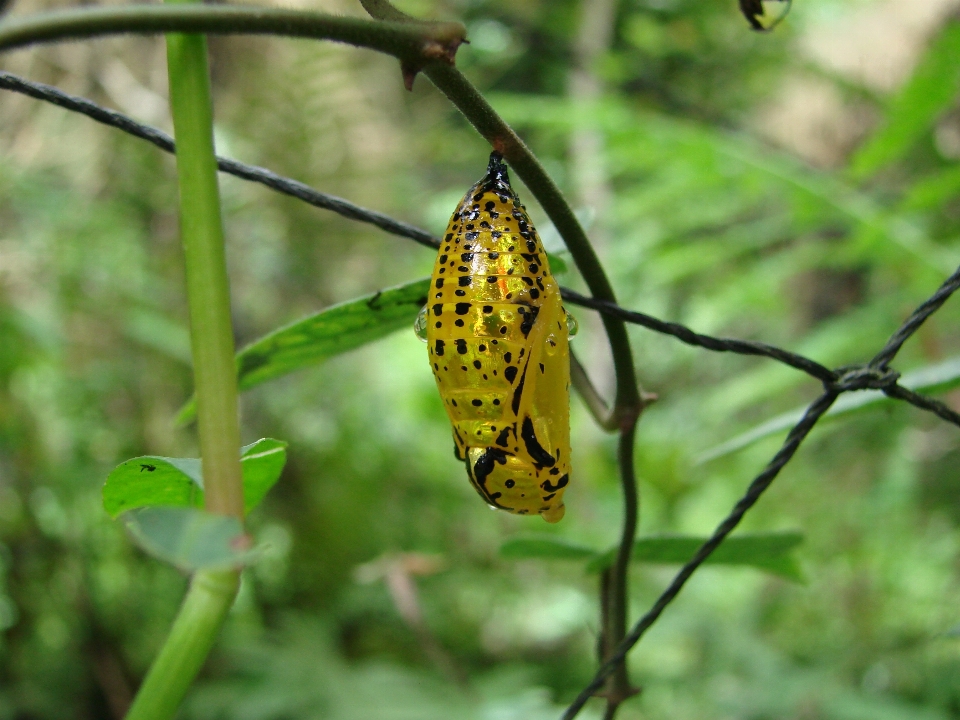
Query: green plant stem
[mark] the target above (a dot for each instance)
(412, 44)
(193, 633)
(208, 287)
(211, 594)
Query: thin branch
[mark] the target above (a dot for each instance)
(599, 410)
(629, 401)
(345, 208)
(799, 432)
(160, 139)
(913, 323)
(416, 44)
(619, 688)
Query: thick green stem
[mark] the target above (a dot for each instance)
(208, 287)
(211, 594)
(193, 634)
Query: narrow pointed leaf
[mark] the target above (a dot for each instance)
(327, 333)
(545, 547)
(153, 481)
(931, 379)
(188, 538)
(770, 552)
(932, 90)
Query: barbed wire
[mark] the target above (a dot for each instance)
(873, 375)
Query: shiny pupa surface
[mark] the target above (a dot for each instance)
(498, 345)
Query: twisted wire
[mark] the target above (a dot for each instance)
(688, 336)
(157, 137)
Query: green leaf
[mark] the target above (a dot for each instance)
(545, 547)
(261, 462)
(768, 551)
(188, 538)
(931, 90)
(329, 332)
(931, 379)
(558, 266)
(933, 190)
(152, 481)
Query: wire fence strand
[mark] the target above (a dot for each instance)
(796, 436)
(157, 137)
(873, 375)
(688, 336)
(916, 319)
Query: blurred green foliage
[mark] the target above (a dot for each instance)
(381, 591)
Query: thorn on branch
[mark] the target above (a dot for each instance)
(432, 50)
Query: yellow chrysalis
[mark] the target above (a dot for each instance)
(497, 339)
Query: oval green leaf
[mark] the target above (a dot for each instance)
(154, 481)
(188, 538)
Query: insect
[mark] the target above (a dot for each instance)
(497, 341)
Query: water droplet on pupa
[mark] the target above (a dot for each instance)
(420, 325)
(572, 326)
(551, 347)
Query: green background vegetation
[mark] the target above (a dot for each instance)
(720, 200)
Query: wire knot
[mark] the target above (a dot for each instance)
(863, 377)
